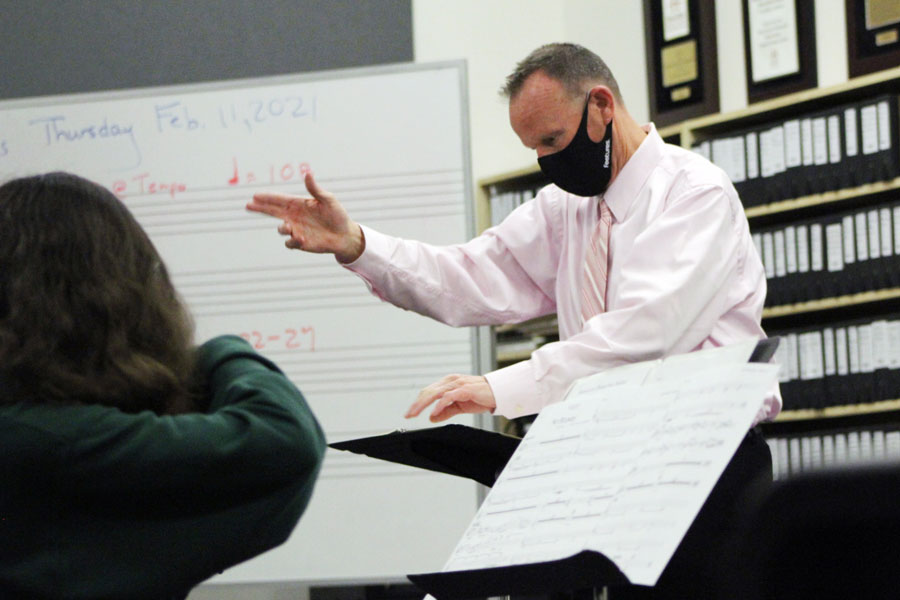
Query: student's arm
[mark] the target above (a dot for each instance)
(258, 431)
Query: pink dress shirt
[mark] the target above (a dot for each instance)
(684, 275)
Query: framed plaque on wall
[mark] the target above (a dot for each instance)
(681, 48)
(873, 35)
(779, 47)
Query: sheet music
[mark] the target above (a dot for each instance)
(622, 466)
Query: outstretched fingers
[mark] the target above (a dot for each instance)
(271, 203)
(428, 395)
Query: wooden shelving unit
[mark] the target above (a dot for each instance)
(833, 412)
(836, 196)
(831, 303)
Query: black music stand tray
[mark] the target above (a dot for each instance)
(583, 571)
(454, 449)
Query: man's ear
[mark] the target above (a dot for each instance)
(602, 97)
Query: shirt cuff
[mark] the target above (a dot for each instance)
(515, 390)
(373, 258)
(376, 248)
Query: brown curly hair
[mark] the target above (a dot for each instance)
(88, 313)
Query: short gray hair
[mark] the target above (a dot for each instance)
(570, 64)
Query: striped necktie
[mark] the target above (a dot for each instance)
(596, 267)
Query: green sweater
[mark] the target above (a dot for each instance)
(96, 503)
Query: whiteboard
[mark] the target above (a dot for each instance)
(392, 144)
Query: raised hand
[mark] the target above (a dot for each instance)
(314, 224)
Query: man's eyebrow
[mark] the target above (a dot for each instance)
(550, 137)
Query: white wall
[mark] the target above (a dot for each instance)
(492, 35)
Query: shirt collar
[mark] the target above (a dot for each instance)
(629, 181)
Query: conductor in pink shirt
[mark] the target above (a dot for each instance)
(641, 248)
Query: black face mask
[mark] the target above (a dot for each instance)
(584, 167)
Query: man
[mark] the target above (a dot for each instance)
(682, 271)
(641, 248)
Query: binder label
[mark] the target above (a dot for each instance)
(884, 126)
(790, 247)
(862, 237)
(803, 248)
(834, 235)
(869, 120)
(820, 141)
(792, 155)
(806, 145)
(841, 351)
(874, 237)
(828, 351)
(815, 243)
(752, 145)
(834, 139)
(851, 146)
(780, 263)
(849, 246)
(887, 243)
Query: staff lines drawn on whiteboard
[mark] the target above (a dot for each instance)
(252, 292)
(371, 192)
(397, 377)
(311, 375)
(261, 285)
(238, 225)
(337, 362)
(398, 366)
(396, 195)
(329, 367)
(386, 351)
(232, 209)
(285, 288)
(315, 372)
(374, 390)
(266, 305)
(191, 279)
(235, 219)
(398, 369)
(303, 269)
(388, 364)
(292, 175)
(398, 383)
(341, 185)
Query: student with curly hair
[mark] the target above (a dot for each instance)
(132, 464)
